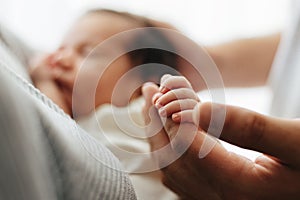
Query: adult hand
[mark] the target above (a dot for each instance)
(225, 175)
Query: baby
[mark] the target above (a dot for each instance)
(80, 59)
(176, 99)
(68, 77)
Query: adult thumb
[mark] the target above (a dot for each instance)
(273, 136)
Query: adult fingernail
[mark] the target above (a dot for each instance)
(147, 84)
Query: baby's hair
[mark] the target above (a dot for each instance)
(150, 56)
(142, 21)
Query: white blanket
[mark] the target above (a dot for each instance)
(121, 130)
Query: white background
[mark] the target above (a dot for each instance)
(41, 24)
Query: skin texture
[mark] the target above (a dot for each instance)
(222, 174)
(55, 73)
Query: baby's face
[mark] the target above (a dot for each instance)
(73, 58)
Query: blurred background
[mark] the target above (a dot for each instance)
(42, 23)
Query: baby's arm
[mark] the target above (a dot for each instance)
(176, 98)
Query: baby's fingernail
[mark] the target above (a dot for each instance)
(176, 117)
(162, 112)
(158, 105)
(163, 89)
(196, 114)
(155, 97)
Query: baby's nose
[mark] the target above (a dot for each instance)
(64, 58)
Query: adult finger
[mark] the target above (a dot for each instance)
(165, 77)
(153, 125)
(273, 136)
(217, 169)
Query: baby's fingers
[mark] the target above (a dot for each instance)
(177, 106)
(169, 82)
(183, 116)
(173, 95)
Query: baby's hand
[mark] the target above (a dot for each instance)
(176, 98)
(40, 69)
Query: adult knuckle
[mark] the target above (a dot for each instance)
(255, 130)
